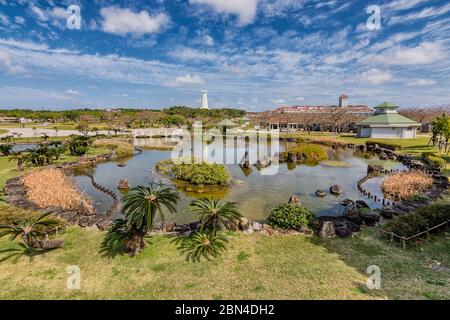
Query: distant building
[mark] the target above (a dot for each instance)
(9, 119)
(343, 101)
(386, 123)
(205, 104)
(290, 118)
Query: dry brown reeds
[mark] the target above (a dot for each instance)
(405, 185)
(52, 188)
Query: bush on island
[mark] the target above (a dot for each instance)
(203, 173)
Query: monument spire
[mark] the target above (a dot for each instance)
(205, 105)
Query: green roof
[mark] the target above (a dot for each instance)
(387, 119)
(227, 123)
(387, 105)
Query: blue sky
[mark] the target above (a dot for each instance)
(251, 54)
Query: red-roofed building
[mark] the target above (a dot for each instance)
(298, 117)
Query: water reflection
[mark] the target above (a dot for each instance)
(254, 192)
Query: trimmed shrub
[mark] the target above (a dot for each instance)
(311, 152)
(433, 160)
(419, 221)
(291, 216)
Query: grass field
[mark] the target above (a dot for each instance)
(255, 267)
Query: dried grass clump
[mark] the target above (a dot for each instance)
(406, 184)
(52, 188)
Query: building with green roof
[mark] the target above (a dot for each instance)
(387, 123)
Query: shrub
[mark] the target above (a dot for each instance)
(311, 152)
(6, 149)
(385, 145)
(11, 215)
(419, 221)
(433, 160)
(196, 173)
(406, 185)
(291, 216)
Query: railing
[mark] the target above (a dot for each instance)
(403, 239)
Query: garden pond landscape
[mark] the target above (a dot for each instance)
(255, 193)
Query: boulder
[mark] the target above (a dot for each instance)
(123, 185)
(371, 218)
(327, 230)
(244, 224)
(342, 229)
(295, 200)
(336, 190)
(374, 170)
(360, 204)
(232, 226)
(321, 194)
(256, 226)
(347, 202)
(169, 226)
(383, 156)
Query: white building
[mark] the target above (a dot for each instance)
(205, 104)
(386, 123)
(343, 101)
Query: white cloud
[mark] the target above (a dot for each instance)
(4, 19)
(425, 13)
(425, 53)
(7, 64)
(279, 101)
(124, 21)
(398, 5)
(40, 14)
(421, 83)
(209, 40)
(73, 92)
(245, 9)
(187, 80)
(188, 54)
(375, 76)
(19, 20)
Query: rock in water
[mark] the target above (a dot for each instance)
(321, 194)
(295, 200)
(123, 185)
(336, 189)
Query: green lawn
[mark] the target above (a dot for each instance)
(255, 267)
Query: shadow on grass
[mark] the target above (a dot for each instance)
(405, 272)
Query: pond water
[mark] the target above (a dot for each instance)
(256, 193)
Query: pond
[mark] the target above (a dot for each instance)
(256, 193)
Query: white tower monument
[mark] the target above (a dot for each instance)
(205, 105)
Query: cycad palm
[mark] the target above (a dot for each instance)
(200, 244)
(140, 207)
(212, 213)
